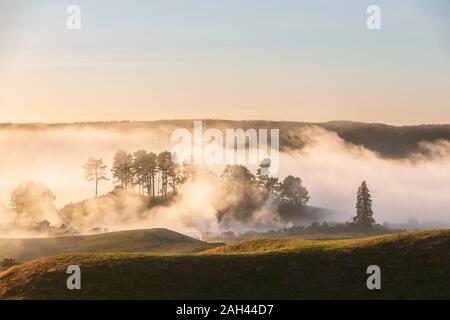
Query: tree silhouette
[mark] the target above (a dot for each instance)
(144, 169)
(240, 184)
(151, 167)
(364, 213)
(267, 184)
(292, 191)
(95, 170)
(167, 170)
(139, 169)
(32, 201)
(122, 169)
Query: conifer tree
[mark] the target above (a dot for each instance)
(364, 213)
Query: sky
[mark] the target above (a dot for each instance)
(310, 60)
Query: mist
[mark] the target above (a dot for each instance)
(331, 169)
(414, 187)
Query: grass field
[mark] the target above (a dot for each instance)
(149, 241)
(414, 265)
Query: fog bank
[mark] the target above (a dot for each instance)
(331, 169)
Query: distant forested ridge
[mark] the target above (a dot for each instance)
(386, 140)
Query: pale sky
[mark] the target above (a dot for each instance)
(307, 60)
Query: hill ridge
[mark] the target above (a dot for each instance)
(154, 240)
(334, 272)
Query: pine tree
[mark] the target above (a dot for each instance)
(364, 213)
(139, 167)
(95, 170)
(122, 168)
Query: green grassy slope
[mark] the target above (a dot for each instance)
(148, 240)
(301, 244)
(414, 265)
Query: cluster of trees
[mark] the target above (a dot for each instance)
(363, 222)
(254, 190)
(156, 175)
(152, 174)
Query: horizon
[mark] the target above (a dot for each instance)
(227, 120)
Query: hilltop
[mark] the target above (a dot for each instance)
(413, 266)
(148, 240)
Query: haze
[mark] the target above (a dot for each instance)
(278, 59)
(331, 169)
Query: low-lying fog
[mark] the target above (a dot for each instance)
(331, 170)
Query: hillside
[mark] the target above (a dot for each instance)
(414, 265)
(386, 140)
(149, 240)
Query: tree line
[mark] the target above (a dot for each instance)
(157, 176)
(151, 174)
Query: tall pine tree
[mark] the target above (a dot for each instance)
(364, 213)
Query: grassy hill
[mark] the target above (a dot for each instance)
(150, 240)
(414, 265)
